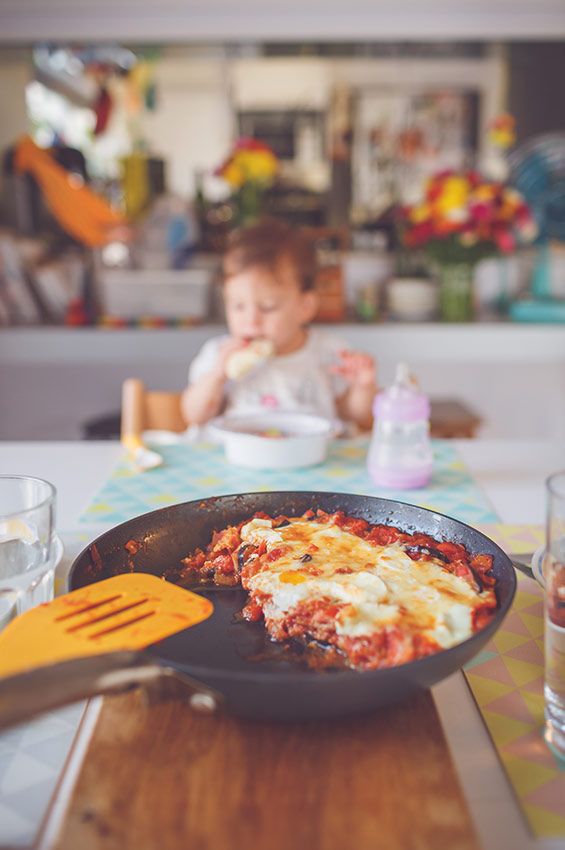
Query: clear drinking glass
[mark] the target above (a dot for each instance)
(27, 544)
(554, 575)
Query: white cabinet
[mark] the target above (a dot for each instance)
(295, 83)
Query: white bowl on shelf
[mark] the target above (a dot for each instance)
(413, 298)
(274, 440)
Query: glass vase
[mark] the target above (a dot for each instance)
(248, 203)
(456, 292)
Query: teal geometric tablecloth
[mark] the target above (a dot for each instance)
(197, 470)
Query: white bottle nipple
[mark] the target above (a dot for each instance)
(404, 379)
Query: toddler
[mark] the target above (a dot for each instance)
(269, 295)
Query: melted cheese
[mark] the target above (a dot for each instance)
(375, 586)
(258, 530)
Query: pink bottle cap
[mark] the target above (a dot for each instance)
(402, 402)
(403, 407)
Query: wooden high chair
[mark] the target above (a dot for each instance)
(144, 410)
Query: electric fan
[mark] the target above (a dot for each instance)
(537, 170)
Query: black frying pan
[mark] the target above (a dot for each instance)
(229, 655)
(225, 659)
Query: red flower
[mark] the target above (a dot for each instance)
(419, 234)
(434, 191)
(505, 241)
(480, 211)
(247, 143)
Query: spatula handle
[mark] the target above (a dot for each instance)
(46, 688)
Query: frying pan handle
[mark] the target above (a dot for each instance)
(522, 567)
(28, 694)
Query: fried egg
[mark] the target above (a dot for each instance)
(373, 586)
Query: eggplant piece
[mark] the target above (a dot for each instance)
(241, 556)
(426, 550)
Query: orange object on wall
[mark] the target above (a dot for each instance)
(81, 213)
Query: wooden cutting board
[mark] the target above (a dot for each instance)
(162, 777)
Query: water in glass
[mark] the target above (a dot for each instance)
(554, 575)
(27, 508)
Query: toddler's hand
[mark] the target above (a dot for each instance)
(227, 348)
(357, 368)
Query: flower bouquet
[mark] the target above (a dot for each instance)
(249, 170)
(462, 219)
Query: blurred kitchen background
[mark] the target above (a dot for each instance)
(358, 114)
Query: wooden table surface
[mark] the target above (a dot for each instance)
(161, 776)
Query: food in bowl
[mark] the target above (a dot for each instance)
(274, 440)
(245, 360)
(273, 433)
(372, 596)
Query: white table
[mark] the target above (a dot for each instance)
(511, 473)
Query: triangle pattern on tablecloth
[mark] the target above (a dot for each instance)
(508, 689)
(31, 759)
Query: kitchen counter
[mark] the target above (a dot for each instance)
(482, 342)
(58, 378)
(512, 475)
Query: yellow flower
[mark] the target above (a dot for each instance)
(233, 174)
(420, 213)
(502, 132)
(503, 138)
(455, 194)
(250, 164)
(257, 165)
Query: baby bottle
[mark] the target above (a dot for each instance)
(400, 454)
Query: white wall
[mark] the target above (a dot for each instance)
(191, 127)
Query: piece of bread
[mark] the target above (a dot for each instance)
(242, 362)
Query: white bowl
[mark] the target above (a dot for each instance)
(304, 440)
(414, 298)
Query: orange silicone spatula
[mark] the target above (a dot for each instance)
(126, 612)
